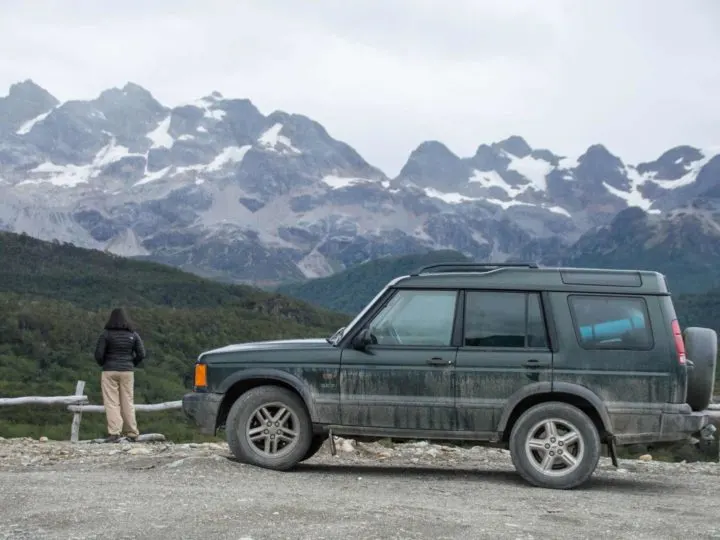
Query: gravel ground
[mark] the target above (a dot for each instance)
(163, 490)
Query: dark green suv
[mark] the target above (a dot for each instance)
(551, 363)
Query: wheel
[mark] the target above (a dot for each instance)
(269, 427)
(701, 348)
(555, 445)
(315, 446)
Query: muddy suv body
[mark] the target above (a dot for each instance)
(551, 363)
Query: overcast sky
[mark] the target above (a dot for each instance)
(640, 76)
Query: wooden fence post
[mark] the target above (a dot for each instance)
(77, 415)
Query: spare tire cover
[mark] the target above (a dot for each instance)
(701, 347)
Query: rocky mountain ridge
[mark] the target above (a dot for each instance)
(218, 188)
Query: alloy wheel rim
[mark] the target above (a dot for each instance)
(555, 447)
(272, 429)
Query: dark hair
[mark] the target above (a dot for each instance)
(119, 320)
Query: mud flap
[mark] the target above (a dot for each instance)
(612, 450)
(333, 450)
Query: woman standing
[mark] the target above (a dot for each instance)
(119, 350)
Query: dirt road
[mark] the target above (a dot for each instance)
(156, 491)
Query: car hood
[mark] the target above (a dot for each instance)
(284, 345)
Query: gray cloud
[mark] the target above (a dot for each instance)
(385, 75)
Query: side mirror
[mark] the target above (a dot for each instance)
(362, 340)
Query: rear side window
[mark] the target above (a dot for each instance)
(504, 319)
(611, 322)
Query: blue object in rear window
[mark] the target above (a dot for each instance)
(612, 328)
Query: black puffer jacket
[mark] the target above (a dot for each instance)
(119, 350)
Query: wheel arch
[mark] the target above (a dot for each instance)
(573, 394)
(236, 385)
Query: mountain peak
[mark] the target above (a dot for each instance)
(598, 152)
(29, 91)
(130, 91)
(488, 158)
(25, 101)
(515, 145)
(672, 164)
(600, 158)
(598, 166)
(134, 88)
(436, 149)
(432, 164)
(115, 102)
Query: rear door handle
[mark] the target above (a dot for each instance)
(535, 363)
(437, 361)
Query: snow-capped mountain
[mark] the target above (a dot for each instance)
(219, 188)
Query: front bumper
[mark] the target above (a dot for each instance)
(202, 409)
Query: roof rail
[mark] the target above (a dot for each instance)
(470, 267)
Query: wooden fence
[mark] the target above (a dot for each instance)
(78, 404)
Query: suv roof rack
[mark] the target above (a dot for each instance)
(470, 267)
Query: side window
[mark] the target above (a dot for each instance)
(611, 322)
(416, 318)
(504, 319)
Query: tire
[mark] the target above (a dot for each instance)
(701, 347)
(282, 451)
(315, 446)
(528, 462)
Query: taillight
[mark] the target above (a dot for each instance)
(679, 343)
(200, 375)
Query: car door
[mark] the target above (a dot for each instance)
(404, 378)
(504, 349)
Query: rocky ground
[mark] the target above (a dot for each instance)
(416, 490)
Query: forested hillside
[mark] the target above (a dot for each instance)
(54, 300)
(350, 290)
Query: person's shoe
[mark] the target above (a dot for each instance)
(112, 438)
(132, 438)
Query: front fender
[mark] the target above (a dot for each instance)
(270, 375)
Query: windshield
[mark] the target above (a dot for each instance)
(337, 336)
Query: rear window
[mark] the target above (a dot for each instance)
(611, 322)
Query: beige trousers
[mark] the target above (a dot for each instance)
(118, 399)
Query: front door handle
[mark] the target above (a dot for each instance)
(437, 361)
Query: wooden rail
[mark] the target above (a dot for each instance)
(78, 404)
(139, 407)
(38, 400)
